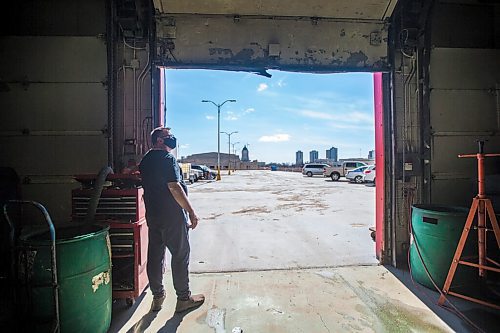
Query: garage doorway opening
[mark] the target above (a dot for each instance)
(266, 214)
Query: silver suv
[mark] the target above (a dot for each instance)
(313, 169)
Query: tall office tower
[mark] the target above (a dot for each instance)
(313, 156)
(332, 154)
(371, 155)
(299, 158)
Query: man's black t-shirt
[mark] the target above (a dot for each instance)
(158, 168)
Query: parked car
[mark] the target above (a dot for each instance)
(313, 169)
(369, 174)
(204, 172)
(340, 169)
(207, 172)
(356, 175)
(197, 174)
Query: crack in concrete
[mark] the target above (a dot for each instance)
(324, 324)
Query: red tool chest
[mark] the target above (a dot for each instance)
(129, 252)
(120, 206)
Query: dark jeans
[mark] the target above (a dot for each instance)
(171, 233)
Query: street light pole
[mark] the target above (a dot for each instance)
(234, 152)
(229, 151)
(218, 129)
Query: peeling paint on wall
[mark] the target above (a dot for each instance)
(357, 59)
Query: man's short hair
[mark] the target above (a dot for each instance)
(157, 132)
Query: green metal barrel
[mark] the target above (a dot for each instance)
(436, 232)
(84, 276)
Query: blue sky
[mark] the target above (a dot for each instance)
(275, 116)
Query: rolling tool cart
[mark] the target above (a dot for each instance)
(120, 206)
(22, 266)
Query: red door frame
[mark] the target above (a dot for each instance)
(378, 97)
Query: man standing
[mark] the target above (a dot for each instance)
(167, 204)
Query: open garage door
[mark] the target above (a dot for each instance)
(306, 36)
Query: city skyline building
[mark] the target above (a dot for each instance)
(313, 156)
(244, 154)
(371, 155)
(332, 154)
(299, 158)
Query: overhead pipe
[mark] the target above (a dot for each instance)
(140, 83)
(124, 106)
(135, 80)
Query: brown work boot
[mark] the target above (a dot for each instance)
(194, 301)
(157, 303)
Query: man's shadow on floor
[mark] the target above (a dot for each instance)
(174, 322)
(170, 326)
(142, 324)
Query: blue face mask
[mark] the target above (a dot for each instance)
(170, 142)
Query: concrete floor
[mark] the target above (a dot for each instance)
(279, 252)
(345, 299)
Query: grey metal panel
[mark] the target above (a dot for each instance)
(54, 155)
(464, 68)
(454, 192)
(354, 9)
(463, 110)
(445, 151)
(55, 197)
(54, 107)
(221, 43)
(53, 59)
(456, 25)
(54, 17)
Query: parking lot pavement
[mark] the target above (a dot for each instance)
(259, 220)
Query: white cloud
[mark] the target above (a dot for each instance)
(281, 83)
(262, 87)
(210, 117)
(275, 138)
(231, 116)
(184, 146)
(318, 115)
(349, 117)
(249, 110)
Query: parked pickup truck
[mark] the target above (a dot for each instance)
(340, 169)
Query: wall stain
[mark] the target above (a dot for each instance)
(357, 59)
(220, 51)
